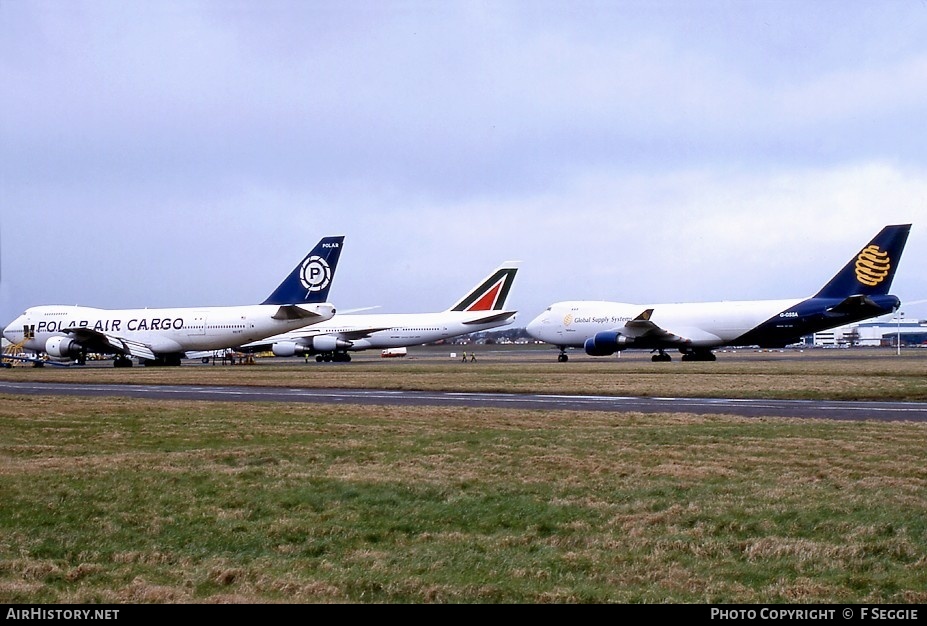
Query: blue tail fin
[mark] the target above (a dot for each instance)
(870, 272)
(310, 281)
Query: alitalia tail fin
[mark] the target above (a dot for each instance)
(491, 293)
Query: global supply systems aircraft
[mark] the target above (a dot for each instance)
(480, 309)
(859, 291)
(163, 336)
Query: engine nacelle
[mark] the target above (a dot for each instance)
(285, 348)
(321, 343)
(606, 343)
(63, 347)
(329, 343)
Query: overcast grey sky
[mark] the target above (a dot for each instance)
(182, 153)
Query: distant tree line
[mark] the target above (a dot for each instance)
(505, 335)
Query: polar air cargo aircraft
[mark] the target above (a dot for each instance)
(859, 291)
(162, 336)
(480, 309)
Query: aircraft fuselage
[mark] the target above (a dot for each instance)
(165, 331)
(705, 325)
(364, 332)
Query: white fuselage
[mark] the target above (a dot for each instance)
(706, 324)
(399, 329)
(165, 331)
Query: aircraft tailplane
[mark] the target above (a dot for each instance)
(310, 281)
(870, 272)
(490, 293)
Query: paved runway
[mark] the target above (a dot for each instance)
(820, 409)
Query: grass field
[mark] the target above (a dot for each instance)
(134, 501)
(866, 374)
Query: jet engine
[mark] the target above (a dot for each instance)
(329, 343)
(285, 348)
(606, 343)
(322, 343)
(63, 347)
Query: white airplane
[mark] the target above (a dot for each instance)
(859, 291)
(480, 309)
(163, 336)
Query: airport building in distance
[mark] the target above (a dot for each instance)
(885, 332)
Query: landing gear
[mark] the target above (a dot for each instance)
(337, 357)
(562, 357)
(699, 355)
(662, 357)
(122, 361)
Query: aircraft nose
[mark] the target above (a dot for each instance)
(8, 331)
(534, 326)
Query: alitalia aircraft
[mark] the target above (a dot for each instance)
(859, 291)
(482, 308)
(163, 336)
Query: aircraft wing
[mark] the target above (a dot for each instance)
(111, 343)
(358, 333)
(497, 317)
(645, 331)
(641, 326)
(254, 346)
(349, 335)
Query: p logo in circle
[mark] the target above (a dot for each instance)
(315, 273)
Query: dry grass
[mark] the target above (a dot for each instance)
(871, 374)
(135, 501)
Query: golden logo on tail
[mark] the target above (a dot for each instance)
(872, 266)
